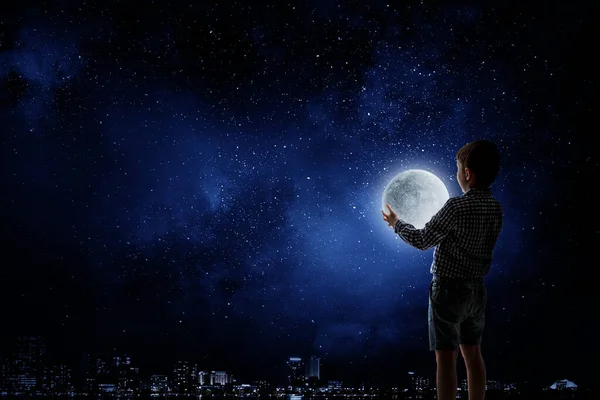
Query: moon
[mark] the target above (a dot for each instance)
(416, 196)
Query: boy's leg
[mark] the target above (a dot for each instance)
(446, 380)
(471, 331)
(476, 375)
(448, 306)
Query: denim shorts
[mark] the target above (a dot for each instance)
(456, 312)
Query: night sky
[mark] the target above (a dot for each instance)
(204, 181)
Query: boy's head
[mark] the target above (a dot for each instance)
(478, 164)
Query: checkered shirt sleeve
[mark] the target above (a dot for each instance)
(434, 231)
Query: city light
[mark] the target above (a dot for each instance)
(26, 372)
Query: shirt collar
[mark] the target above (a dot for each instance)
(476, 191)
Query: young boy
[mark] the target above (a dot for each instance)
(464, 233)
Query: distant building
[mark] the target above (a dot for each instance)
(193, 379)
(159, 384)
(419, 383)
(214, 378)
(334, 385)
(262, 385)
(91, 374)
(24, 371)
(128, 376)
(111, 374)
(107, 387)
(219, 378)
(313, 368)
(60, 380)
(3, 378)
(563, 385)
(204, 378)
(181, 377)
(493, 385)
(294, 370)
(245, 389)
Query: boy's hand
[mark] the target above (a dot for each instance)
(391, 218)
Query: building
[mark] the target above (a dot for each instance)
(214, 378)
(159, 384)
(3, 378)
(96, 373)
(129, 380)
(193, 379)
(563, 384)
(294, 370)
(204, 378)
(245, 389)
(107, 387)
(60, 380)
(313, 368)
(493, 385)
(90, 384)
(24, 370)
(219, 378)
(186, 378)
(419, 383)
(181, 377)
(114, 374)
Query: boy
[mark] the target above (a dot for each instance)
(464, 233)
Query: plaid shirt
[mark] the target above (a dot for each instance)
(464, 233)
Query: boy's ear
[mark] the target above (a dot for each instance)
(467, 173)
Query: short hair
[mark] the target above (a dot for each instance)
(481, 157)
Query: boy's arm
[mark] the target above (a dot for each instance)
(434, 231)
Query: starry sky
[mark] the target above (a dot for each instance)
(204, 181)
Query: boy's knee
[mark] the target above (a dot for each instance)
(446, 356)
(470, 351)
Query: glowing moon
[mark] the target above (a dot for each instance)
(416, 196)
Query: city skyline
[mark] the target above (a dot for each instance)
(25, 372)
(27, 367)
